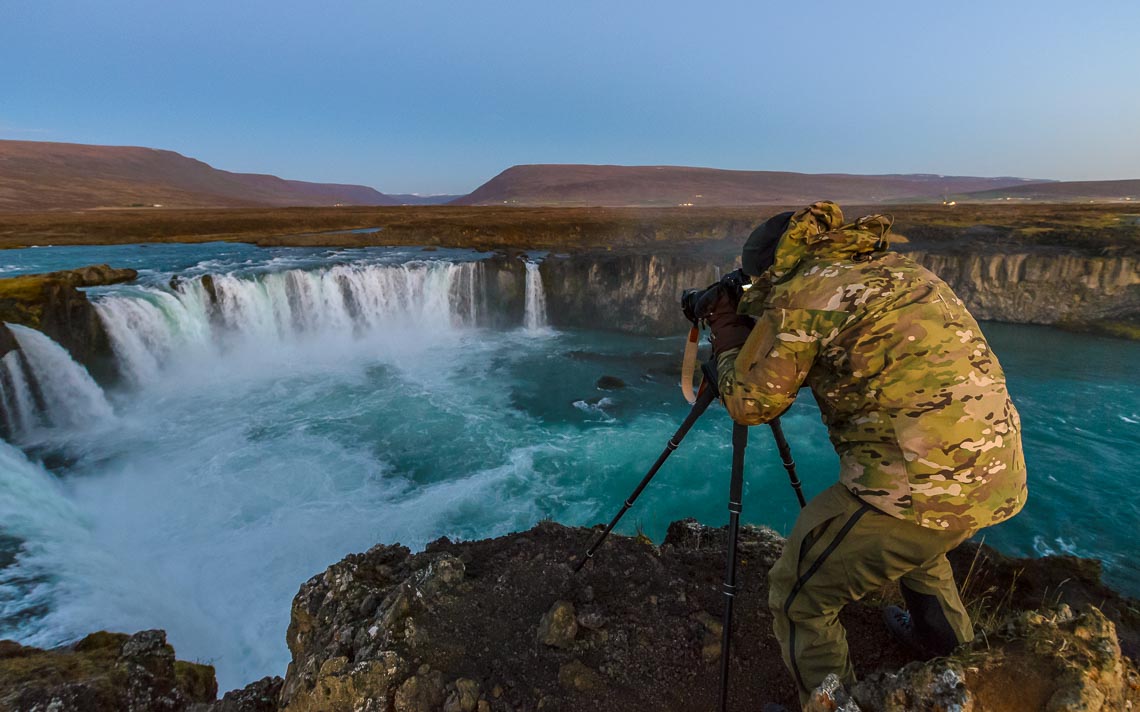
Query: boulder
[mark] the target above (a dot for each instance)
(1051, 660)
(464, 697)
(831, 696)
(420, 693)
(609, 383)
(558, 626)
(95, 276)
(576, 677)
(354, 631)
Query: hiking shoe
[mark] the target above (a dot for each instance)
(901, 629)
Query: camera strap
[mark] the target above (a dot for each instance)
(689, 364)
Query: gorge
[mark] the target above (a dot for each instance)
(244, 416)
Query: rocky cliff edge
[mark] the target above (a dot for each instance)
(504, 624)
(54, 304)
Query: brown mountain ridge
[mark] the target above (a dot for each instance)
(1067, 191)
(36, 175)
(660, 186)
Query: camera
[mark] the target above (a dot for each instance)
(697, 304)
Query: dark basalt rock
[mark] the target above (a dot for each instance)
(211, 288)
(54, 304)
(1075, 291)
(501, 292)
(95, 276)
(636, 293)
(496, 623)
(610, 383)
(8, 341)
(505, 624)
(259, 696)
(639, 292)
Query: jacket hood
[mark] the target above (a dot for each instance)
(819, 232)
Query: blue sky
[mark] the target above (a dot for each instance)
(431, 96)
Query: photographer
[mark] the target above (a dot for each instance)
(915, 404)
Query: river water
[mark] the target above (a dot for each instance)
(334, 399)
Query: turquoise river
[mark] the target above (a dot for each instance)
(334, 399)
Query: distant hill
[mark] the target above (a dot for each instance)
(38, 175)
(416, 199)
(1065, 191)
(586, 185)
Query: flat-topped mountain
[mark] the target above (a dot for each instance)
(1067, 191)
(36, 175)
(589, 185)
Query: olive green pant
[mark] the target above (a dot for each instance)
(839, 551)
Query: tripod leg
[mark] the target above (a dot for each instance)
(704, 398)
(735, 497)
(786, 458)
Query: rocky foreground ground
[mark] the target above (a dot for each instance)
(505, 624)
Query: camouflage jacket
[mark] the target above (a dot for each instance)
(914, 400)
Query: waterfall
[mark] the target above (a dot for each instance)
(71, 398)
(148, 326)
(534, 317)
(43, 530)
(17, 401)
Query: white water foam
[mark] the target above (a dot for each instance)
(19, 406)
(73, 400)
(220, 493)
(534, 315)
(38, 517)
(272, 422)
(150, 327)
(597, 407)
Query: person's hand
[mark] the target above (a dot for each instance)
(729, 329)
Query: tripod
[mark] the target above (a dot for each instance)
(735, 494)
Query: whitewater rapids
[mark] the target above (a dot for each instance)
(282, 408)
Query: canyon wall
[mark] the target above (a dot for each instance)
(635, 293)
(640, 293)
(1042, 287)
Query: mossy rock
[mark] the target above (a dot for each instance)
(103, 671)
(196, 681)
(1121, 329)
(102, 641)
(12, 649)
(41, 669)
(55, 304)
